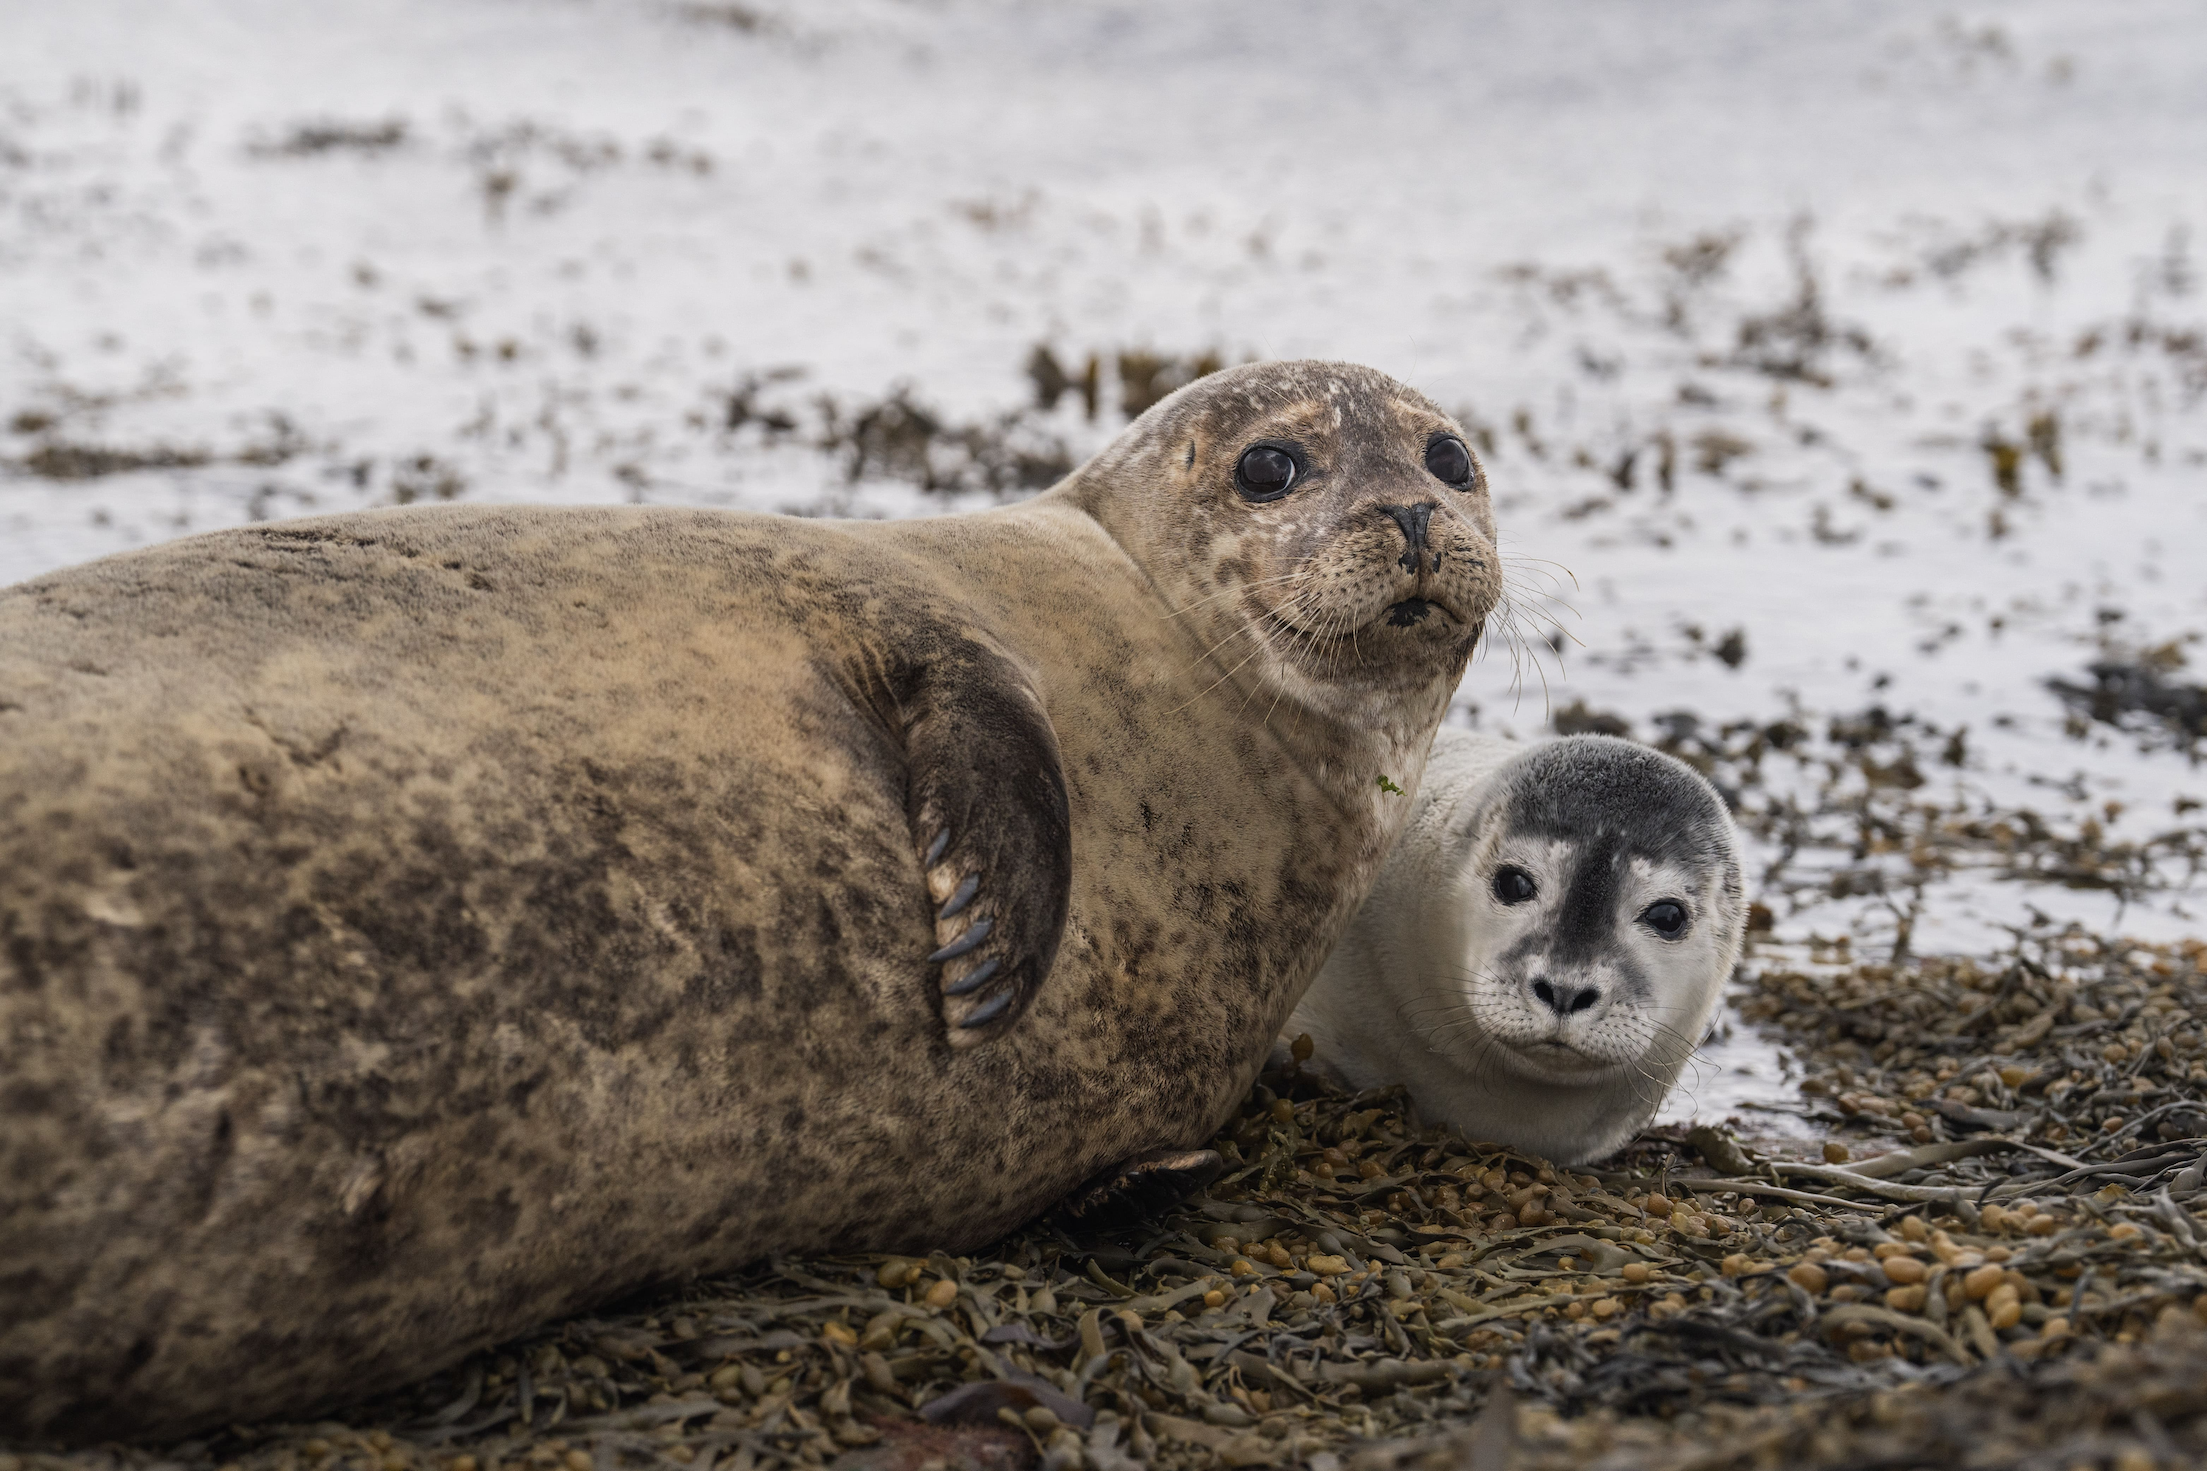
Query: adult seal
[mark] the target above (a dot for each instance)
(420, 924)
(1544, 947)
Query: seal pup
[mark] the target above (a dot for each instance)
(422, 924)
(1545, 946)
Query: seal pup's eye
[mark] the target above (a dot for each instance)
(1667, 917)
(1514, 885)
(1447, 458)
(1265, 472)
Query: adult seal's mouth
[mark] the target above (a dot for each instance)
(1412, 611)
(1408, 612)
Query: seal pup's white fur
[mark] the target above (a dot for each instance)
(1555, 1023)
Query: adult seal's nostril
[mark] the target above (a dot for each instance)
(1566, 1000)
(1414, 521)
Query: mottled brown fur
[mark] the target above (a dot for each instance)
(419, 924)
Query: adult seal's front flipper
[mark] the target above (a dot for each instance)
(988, 811)
(1139, 1189)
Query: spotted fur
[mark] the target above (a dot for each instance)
(420, 924)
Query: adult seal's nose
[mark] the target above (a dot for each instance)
(1566, 1000)
(1413, 520)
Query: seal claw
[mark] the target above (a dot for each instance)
(970, 940)
(955, 905)
(974, 979)
(985, 799)
(990, 1009)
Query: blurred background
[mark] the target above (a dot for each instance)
(1839, 367)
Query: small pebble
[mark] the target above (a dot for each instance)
(1810, 1278)
(1836, 1153)
(1904, 1269)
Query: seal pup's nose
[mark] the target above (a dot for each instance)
(1413, 520)
(1566, 1000)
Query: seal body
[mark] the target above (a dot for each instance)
(420, 924)
(1545, 946)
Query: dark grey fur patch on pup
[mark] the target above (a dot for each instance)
(1599, 789)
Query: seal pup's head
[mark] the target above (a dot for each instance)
(1545, 946)
(1604, 908)
(1323, 531)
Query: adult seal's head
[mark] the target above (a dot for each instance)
(1322, 528)
(1545, 945)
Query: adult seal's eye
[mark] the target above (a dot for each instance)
(1514, 885)
(1667, 917)
(1447, 458)
(1264, 473)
